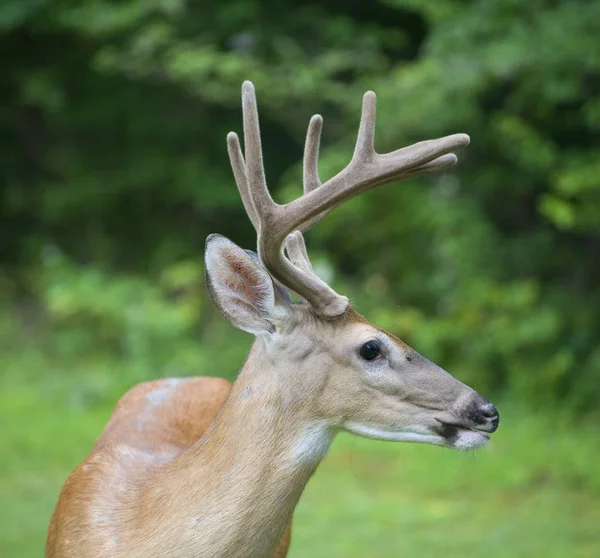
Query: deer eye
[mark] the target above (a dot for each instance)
(370, 350)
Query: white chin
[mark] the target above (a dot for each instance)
(466, 439)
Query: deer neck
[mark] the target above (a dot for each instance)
(234, 491)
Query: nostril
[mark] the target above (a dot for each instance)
(489, 411)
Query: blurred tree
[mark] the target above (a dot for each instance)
(114, 115)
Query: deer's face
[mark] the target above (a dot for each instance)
(345, 372)
(362, 379)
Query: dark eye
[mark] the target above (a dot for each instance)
(370, 350)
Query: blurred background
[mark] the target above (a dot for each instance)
(113, 116)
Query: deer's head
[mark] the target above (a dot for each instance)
(336, 367)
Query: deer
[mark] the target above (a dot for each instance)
(205, 468)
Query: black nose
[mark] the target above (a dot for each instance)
(490, 414)
(484, 414)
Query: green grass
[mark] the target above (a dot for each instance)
(534, 492)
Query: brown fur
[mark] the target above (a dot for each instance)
(162, 434)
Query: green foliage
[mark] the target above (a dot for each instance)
(123, 313)
(113, 120)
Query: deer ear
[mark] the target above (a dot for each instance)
(241, 288)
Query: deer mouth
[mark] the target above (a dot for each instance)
(461, 436)
(471, 428)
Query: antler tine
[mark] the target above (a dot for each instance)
(365, 139)
(310, 170)
(255, 173)
(441, 163)
(296, 251)
(238, 166)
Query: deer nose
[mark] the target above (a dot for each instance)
(489, 412)
(484, 414)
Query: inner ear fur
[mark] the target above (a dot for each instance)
(240, 287)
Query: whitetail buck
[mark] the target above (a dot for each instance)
(197, 467)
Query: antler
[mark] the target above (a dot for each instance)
(274, 222)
